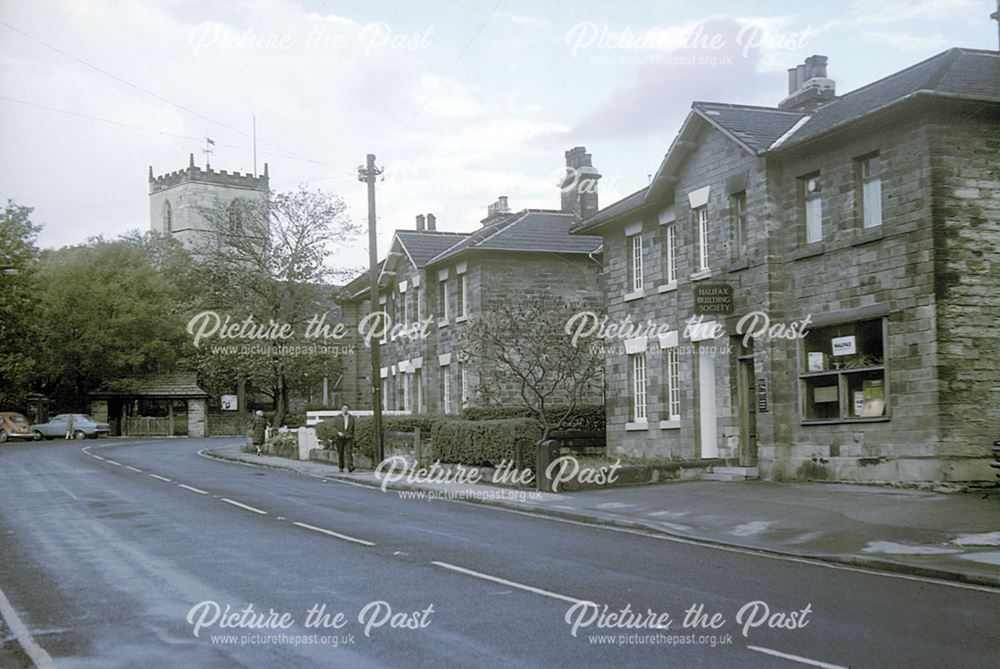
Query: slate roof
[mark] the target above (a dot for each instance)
(756, 127)
(538, 230)
(181, 384)
(424, 245)
(966, 73)
(627, 205)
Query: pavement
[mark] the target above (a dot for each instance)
(954, 535)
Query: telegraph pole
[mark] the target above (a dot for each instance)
(367, 174)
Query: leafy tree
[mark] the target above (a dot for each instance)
(106, 313)
(270, 264)
(524, 353)
(18, 315)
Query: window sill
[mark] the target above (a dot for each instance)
(839, 421)
(701, 274)
(461, 319)
(670, 424)
(443, 323)
(637, 426)
(667, 287)
(634, 295)
(867, 236)
(809, 250)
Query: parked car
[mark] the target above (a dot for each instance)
(83, 426)
(14, 426)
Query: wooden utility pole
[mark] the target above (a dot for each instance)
(367, 174)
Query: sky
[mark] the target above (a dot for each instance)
(460, 101)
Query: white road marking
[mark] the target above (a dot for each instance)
(513, 584)
(335, 534)
(138, 471)
(797, 658)
(37, 654)
(161, 478)
(192, 489)
(95, 456)
(243, 506)
(113, 462)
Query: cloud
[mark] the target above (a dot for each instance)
(662, 90)
(908, 42)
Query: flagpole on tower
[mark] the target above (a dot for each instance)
(255, 145)
(208, 150)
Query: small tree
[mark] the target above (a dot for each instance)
(270, 264)
(523, 352)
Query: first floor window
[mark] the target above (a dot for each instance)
(701, 220)
(738, 210)
(670, 252)
(871, 190)
(445, 389)
(443, 299)
(638, 387)
(404, 382)
(843, 372)
(673, 378)
(812, 207)
(418, 390)
(635, 264)
(460, 297)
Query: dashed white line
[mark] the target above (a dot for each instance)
(335, 534)
(134, 469)
(113, 462)
(513, 584)
(96, 456)
(797, 658)
(36, 653)
(192, 489)
(243, 506)
(161, 478)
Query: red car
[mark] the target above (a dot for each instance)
(14, 426)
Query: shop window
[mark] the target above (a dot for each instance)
(843, 373)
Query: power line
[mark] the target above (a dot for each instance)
(461, 54)
(163, 99)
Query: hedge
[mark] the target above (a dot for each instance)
(364, 441)
(585, 418)
(483, 442)
(285, 444)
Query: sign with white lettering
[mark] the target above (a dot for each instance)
(716, 298)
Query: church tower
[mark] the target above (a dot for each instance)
(176, 200)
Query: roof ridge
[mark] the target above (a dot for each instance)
(734, 105)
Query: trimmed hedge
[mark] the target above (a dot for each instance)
(364, 441)
(483, 442)
(586, 418)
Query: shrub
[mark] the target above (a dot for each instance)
(285, 444)
(294, 420)
(585, 418)
(484, 442)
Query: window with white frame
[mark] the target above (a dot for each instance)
(870, 171)
(738, 213)
(445, 389)
(418, 390)
(638, 373)
(464, 376)
(404, 381)
(635, 262)
(672, 376)
(811, 192)
(419, 299)
(670, 252)
(406, 307)
(701, 221)
(443, 299)
(385, 394)
(460, 297)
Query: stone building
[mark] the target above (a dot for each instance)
(871, 222)
(445, 279)
(177, 199)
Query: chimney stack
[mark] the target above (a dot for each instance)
(420, 222)
(431, 222)
(497, 210)
(808, 86)
(579, 186)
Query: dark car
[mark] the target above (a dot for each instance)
(14, 426)
(83, 426)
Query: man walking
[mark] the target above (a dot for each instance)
(345, 439)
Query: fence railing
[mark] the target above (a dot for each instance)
(147, 426)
